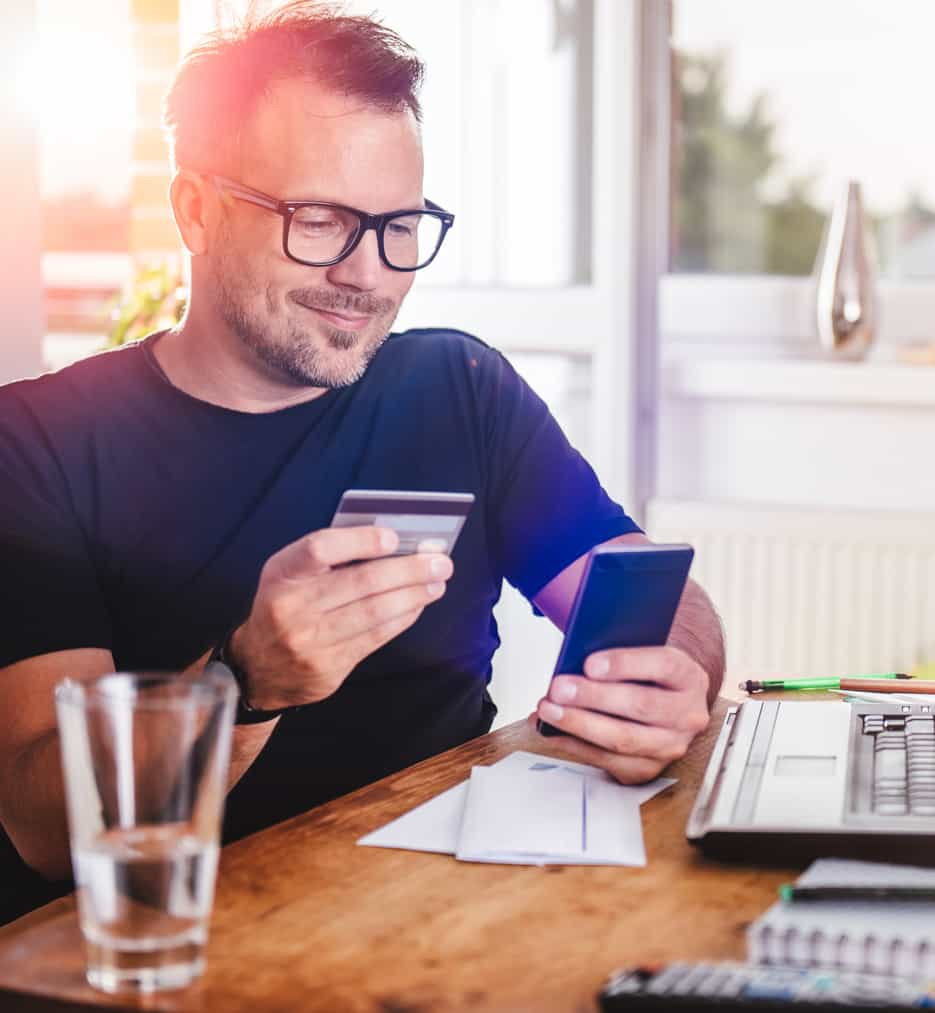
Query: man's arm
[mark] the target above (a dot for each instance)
(697, 631)
(32, 793)
(637, 709)
(314, 619)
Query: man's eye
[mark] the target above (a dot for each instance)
(319, 226)
(400, 229)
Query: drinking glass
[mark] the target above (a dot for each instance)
(145, 759)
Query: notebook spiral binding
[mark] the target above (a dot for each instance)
(867, 952)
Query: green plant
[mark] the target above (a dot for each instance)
(152, 300)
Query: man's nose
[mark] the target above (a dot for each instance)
(362, 269)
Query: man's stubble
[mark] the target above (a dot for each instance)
(280, 342)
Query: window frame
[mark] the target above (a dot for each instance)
(777, 311)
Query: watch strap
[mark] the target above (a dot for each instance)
(245, 714)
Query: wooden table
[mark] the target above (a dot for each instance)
(305, 920)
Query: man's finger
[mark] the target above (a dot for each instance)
(616, 735)
(322, 550)
(647, 705)
(372, 613)
(376, 577)
(667, 666)
(626, 769)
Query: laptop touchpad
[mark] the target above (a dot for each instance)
(805, 766)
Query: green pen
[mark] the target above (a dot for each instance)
(820, 682)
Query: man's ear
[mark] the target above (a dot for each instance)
(191, 205)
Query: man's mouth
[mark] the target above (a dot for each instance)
(345, 321)
(350, 313)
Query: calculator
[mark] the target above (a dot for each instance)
(735, 986)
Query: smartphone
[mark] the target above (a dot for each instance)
(627, 597)
(424, 521)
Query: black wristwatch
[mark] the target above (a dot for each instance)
(245, 713)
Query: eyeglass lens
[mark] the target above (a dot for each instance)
(319, 234)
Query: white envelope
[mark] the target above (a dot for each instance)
(522, 817)
(520, 814)
(434, 826)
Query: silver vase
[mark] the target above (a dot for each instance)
(845, 272)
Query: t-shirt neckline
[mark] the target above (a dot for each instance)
(147, 346)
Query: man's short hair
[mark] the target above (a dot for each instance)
(220, 81)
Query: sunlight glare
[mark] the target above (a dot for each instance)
(78, 83)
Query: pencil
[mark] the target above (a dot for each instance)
(817, 682)
(908, 686)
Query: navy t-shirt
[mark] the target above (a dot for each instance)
(136, 518)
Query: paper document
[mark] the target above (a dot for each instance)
(521, 816)
(436, 825)
(513, 815)
(432, 826)
(855, 696)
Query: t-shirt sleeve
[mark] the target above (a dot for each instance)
(546, 504)
(50, 599)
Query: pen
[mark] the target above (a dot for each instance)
(788, 892)
(875, 682)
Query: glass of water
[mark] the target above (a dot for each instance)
(145, 759)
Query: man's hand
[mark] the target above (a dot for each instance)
(314, 619)
(635, 710)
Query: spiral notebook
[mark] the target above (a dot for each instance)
(880, 936)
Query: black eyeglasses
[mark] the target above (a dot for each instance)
(319, 234)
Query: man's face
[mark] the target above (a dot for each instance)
(314, 326)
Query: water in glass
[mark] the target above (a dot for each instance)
(144, 899)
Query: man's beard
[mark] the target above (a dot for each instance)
(291, 351)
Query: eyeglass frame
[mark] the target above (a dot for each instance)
(288, 208)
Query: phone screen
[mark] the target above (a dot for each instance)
(628, 597)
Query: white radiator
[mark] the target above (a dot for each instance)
(811, 592)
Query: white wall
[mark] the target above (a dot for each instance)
(764, 427)
(806, 487)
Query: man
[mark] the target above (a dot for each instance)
(169, 502)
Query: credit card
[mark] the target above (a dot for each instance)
(424, 521)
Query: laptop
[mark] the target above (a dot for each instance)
(793, 780)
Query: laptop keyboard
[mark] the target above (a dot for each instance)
(903, 781)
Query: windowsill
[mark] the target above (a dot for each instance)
(869, 383)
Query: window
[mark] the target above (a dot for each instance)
(82, 89)
(776, 105)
